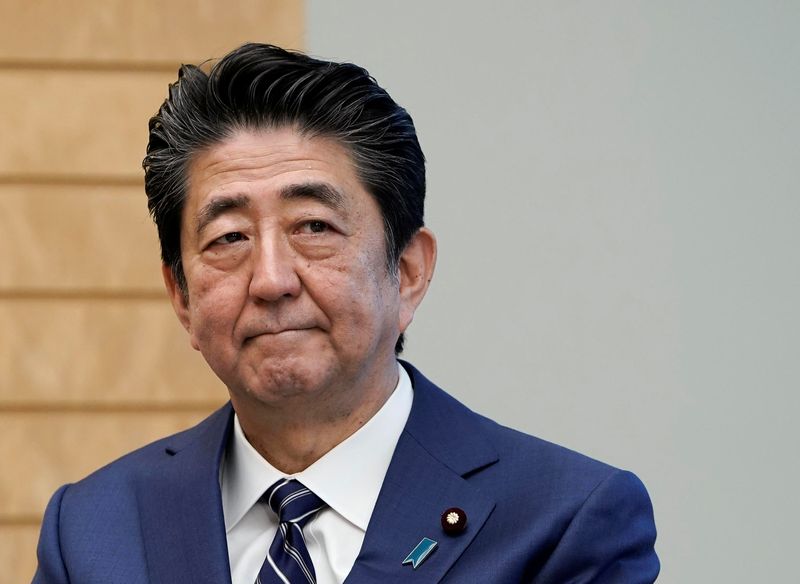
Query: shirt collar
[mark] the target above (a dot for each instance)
(348, 477)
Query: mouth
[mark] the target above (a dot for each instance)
(275, 333)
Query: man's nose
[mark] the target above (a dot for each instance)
(274, 275)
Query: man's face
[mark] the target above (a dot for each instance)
(289, 295)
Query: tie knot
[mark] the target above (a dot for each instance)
(292, 501)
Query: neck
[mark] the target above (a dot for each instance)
(293, 436)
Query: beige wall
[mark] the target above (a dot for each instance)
(92, 361)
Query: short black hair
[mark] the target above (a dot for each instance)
(259, 86)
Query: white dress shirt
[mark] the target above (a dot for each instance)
(348, 478)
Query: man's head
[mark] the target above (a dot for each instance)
(261, 87)
(288, 194)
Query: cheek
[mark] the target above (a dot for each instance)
(214, 306)
(373, 297)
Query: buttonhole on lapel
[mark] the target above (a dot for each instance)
(170, 451)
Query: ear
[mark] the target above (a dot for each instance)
(415, 270)
(180, 304)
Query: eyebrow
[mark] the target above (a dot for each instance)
(317, 191)
(321, 192)
(219, 206)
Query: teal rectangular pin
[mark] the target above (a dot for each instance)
(420, 552)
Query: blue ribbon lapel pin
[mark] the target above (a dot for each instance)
(420, 553)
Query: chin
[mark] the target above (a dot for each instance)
(276, 381)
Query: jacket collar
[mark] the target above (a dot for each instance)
(181, 507)
(443, 441)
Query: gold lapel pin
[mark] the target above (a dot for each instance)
(454, 521)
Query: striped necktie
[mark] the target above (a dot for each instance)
(287, 560)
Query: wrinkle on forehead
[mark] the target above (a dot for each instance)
(244, 151)
(293, 165)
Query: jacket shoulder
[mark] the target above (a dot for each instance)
(546, 459)
(559, 515)
(122, 472)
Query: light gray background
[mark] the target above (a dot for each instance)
(614, 186)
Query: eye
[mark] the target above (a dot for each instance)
(228, 238)
(315, 226)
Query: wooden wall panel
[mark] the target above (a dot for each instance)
(99, 353)
(77, 124)
(144, 31)
(67, 447)
(78, 238)
(90, 351)
(18, 553)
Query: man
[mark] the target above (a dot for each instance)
(288, 194)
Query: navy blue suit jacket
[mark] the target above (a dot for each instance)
(536, 512)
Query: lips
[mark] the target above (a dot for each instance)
(274, 332)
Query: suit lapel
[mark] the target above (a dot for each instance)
(441, 443)
(181, 510)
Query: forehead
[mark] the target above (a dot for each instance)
(263, 154)
(260, 163)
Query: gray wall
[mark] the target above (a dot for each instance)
(614, 188)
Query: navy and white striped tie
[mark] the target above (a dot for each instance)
(287, 560)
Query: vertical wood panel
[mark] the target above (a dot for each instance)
(92, 362)
(144, 31)
(77, 238)
(77, 123)
(67, 447)
(100, 352)
(17, 553)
